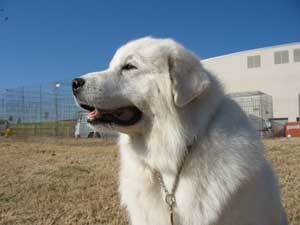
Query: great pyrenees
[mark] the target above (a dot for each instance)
(189, 155)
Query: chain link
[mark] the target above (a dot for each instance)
(170, 198)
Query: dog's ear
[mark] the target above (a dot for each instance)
(189, 78)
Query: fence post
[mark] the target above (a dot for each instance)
(56, 112)
(41, 111)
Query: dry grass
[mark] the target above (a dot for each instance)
(60, 182)
(285, 157)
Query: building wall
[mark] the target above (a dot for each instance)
(281, 81)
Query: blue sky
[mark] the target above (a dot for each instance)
(44, 41)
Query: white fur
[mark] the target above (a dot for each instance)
(225, 180)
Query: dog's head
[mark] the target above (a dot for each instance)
(147, 80)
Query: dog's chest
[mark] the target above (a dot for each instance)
(143, 195)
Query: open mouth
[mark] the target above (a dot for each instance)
(124, 116)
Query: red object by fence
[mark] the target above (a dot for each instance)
(292, 129)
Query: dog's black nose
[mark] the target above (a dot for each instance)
(77, 83)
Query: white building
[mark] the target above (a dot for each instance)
(273, 70)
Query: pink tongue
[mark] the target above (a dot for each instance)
(94, 114)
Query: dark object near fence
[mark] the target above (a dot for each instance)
(277, 125)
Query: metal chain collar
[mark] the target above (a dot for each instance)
(170, 198)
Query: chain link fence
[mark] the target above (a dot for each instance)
(40, 110)
(47, 110)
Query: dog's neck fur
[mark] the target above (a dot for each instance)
(164, 145)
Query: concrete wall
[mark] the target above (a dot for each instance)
(281, 81)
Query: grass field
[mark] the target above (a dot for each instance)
(64, 128)
(61, 181)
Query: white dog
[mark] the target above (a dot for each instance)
(182, 139)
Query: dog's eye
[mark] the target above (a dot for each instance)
(128, 66)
